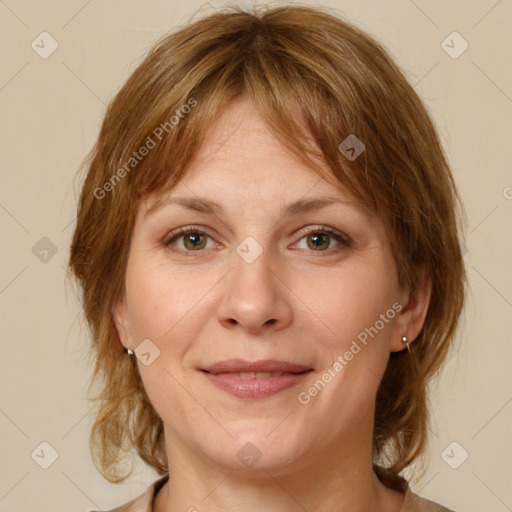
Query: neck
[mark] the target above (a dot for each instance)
(338, 479)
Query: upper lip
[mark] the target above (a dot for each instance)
(266, 365)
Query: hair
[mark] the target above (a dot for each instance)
(312, 77)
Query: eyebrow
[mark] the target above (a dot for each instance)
(208, 206)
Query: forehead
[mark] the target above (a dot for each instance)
(240, 143)
(240, 160)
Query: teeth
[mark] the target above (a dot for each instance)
(257, 375)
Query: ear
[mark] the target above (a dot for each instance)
(120, 316)
(411, 317)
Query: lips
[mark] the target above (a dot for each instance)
(260, 379)
(265, 366)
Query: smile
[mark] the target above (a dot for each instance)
(255, 379)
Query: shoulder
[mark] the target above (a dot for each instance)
(144, 502)
(414, 503)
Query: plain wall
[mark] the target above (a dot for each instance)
(51, 111)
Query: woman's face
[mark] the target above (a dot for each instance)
(254, 280)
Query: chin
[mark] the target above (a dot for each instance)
(254, 449)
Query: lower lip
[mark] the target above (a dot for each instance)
(255, 388)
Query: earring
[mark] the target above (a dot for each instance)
(405, 341)
(130, 352)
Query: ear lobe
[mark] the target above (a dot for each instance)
(411, 318)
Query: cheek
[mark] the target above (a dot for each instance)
(158, 297)
(166, 308)
(346, 303)
(354, 337)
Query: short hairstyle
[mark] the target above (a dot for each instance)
(312, 77)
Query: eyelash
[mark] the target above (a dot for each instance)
(181, 232)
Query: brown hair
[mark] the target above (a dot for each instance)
(314, 77)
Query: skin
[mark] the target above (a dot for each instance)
(295, 302)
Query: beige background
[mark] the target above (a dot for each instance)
(50, 115)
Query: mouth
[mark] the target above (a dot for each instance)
(254, 380)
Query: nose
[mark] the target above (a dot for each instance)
(255, 296)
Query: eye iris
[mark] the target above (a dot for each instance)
(319, 237)
(194, 238)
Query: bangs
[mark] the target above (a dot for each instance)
(307, 113)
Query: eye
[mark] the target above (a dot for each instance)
(319, 239)
(193, 239)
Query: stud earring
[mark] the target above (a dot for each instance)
(130, 352)
(405, 341)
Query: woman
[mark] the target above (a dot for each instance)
(267, 244)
